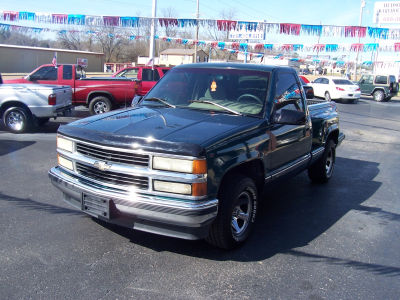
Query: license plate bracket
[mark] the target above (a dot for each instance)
(96, 206)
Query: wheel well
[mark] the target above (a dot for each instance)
(9, 104)
(99, 94)
(334, 135)
(253, 169)
(379, 89)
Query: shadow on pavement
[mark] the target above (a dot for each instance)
(31, 204)
(295, 213)
(9, 146)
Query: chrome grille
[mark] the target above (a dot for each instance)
(113, 155)
(112, 177)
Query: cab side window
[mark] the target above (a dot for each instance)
(67, 72)
(381, 80)
(45, 73)
(367, 79)
(288, 96)
(147, 75)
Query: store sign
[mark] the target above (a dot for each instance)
(387, 12)
(244, 34)
(83, 62)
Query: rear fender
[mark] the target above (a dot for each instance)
(94, 94)
(12, 103)
(380, 89)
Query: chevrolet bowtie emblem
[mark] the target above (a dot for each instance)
(101, 165)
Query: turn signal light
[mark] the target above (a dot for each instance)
(339, 89)
(199, 167)
(199, 189)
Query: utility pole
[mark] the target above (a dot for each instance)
(197, 32)
(152, 32)
(358, 50)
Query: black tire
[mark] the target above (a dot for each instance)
(328, 96)
(379, 95)
(41, 121)
(321, 171)
(238, 197)
(17, 119)
(100, 105)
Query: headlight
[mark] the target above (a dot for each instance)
(65, 144)
(180, 165)
(66, 163)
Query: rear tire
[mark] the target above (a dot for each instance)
(328, 96)
(17, 119)
(379, 95)
(236, 212)
(100, 105)
(322, 170)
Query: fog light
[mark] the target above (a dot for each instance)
(66, 163)
(172, 187)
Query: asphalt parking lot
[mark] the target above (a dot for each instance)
(334, 241)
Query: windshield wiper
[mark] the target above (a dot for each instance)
(160, 100)
(216, 104)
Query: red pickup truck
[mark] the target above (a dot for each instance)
(100, 94)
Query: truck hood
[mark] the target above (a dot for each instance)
(174, 130)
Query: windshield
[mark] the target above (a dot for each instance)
(225, 90)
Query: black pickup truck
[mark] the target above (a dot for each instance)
(192, 157)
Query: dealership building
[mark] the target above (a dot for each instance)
(23, 59)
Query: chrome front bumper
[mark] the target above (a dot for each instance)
(145, 212)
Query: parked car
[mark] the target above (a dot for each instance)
(191, 159)
(24, 105)
(145, 77)
(381, 87)
(332, 88)
(99, 94)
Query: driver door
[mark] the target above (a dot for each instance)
(290, 142)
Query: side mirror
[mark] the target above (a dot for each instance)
(309, 91)
(289, 116)
(136, 100)
(362, 81)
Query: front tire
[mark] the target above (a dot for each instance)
(379, 96)
(17, 119)
(322, 170)
(236, 213)
(100, 105)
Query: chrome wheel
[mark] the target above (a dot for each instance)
(329, 162)
(379, 95)
(241, 213)
(15, 120)
(100, 107)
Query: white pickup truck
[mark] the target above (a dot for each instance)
(23, 106)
